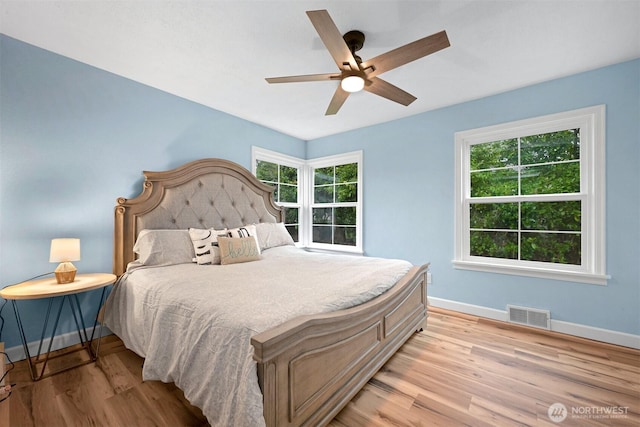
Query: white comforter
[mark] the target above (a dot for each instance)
(193, 323)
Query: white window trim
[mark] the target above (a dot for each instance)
(305, 193)
(591, 122)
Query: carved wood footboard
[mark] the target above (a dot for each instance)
(310, 367)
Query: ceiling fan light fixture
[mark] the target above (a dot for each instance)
(352, 83)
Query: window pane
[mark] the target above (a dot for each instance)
(347, 193)
(288, 175)
(267, 171)
(288, 193)
(291, 222)
(345, 216)
(496, 244)
(322, 215)
(323, 194)
(323, 176)
(347, 173)
(552, 216)
(494, 215)
(291, 215)
(502, 182)
(293, 230)
(550, 147)
(344, 236)
(322, 234)
(551, 179)
(561, 248)
(494, 154)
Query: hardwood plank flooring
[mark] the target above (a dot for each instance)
(462, 370)
(107, 393)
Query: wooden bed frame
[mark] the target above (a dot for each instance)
(309, 368)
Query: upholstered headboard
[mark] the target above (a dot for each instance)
(201, 194)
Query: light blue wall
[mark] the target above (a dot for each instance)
(74, 138)
(409, 187)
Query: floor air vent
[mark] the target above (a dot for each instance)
(529, 316)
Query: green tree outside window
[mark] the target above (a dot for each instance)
(527, 229)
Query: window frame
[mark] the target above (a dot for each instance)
(591, 122)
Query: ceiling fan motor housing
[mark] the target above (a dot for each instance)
(354, 40)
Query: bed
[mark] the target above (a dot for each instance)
(305, 364)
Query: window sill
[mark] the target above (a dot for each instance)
(334, 251)
(543, 273)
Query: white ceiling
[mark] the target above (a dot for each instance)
(217, 53)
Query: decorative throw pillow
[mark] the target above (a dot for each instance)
(238, 249)
(205, 245)
(163, 247)
(272, 234)
(246, 231)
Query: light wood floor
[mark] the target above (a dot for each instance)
(462, 370)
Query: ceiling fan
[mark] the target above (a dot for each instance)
(354, 74)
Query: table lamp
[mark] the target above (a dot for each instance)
(64, 251)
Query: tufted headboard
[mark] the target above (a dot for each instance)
(201, 194)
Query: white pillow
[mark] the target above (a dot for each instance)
(272, 234)
(163, 247)
(205, 244)
(246, 231)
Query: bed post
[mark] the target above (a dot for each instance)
(118, 240)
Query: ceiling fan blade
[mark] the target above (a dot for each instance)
(407, 53)
(332, 39)
(304, 78)
(338, 99)
(387, 90)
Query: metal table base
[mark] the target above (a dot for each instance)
(85, 341)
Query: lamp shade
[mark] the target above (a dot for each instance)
(64, 250)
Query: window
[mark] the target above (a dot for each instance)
(335, 207)
(322, 197)
(530, 197)
(283, 173)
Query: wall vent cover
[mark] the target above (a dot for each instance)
(529, 316)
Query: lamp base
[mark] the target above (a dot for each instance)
(65, 273)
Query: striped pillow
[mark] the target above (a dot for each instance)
(205, 244)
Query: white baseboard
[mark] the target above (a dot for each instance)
(575, 329)
(59, 341)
